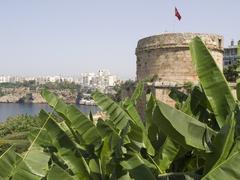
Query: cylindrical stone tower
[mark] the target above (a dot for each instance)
(166, 59)
(167, 56)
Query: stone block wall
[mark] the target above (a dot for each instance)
(167, 58)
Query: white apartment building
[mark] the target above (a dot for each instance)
(88, 79)
(100, 80)
(112, 80)
(4, 79)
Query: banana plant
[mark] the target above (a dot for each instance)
(198, 139)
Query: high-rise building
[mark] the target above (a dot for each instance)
(231, 54)
(103, 80)
(4, 79)
(87, 79)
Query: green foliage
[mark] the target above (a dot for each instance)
(238, 89)
(137, 93)
(33, 86)
(1, 93)
(188, 86)
(123, 90)
(213, 82)
(231, 72)
(62, 85)
(26, 99)
(187, 131)
(11, 85)
(200, 139)
(14, 131)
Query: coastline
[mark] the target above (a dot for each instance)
(26, 96)
(14, 109)
(45, 103)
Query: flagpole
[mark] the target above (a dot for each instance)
(177, 14)
(173, 23)
(173, 26)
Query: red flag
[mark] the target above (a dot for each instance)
(177, 14)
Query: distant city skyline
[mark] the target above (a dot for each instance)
(70, 37)
(53, 74)
(101, 80)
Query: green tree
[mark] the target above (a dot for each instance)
(232, 72)
(123, 90)
(15, 130)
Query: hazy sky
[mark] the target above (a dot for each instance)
(39, 37)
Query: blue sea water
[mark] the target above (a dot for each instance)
(13, 109)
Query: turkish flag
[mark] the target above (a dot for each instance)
(177, 14)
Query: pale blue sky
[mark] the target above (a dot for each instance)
(39, 37)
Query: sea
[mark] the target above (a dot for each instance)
(14, 109)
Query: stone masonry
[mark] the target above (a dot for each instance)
(167, 58)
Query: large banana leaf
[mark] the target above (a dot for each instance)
(213, 81)
(135, 161)
(227, 169)
(149, 110)
(139, 168)
(195, 101)
(131, 110)
(106, 154)
(182, 128)
(43, 138)
(133, 113)
(111, 145)
(33, 166)
(156, 137)
(121, 117)
(54, 101)
(142, 173)
(167, 154)
(137, 92)
(118, 116)
(66, 149)
(178, 176)
(37, 160)
(57, 172)
(136, 134)
(105, 128)
(85, 127)
(8, 162)
(197, 106)
(78, 121)
(177, 95)
(222, 144)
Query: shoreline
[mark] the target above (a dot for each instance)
(15, 109)
(44, 103)
(28, 97)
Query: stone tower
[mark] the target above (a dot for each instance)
(167, 58)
